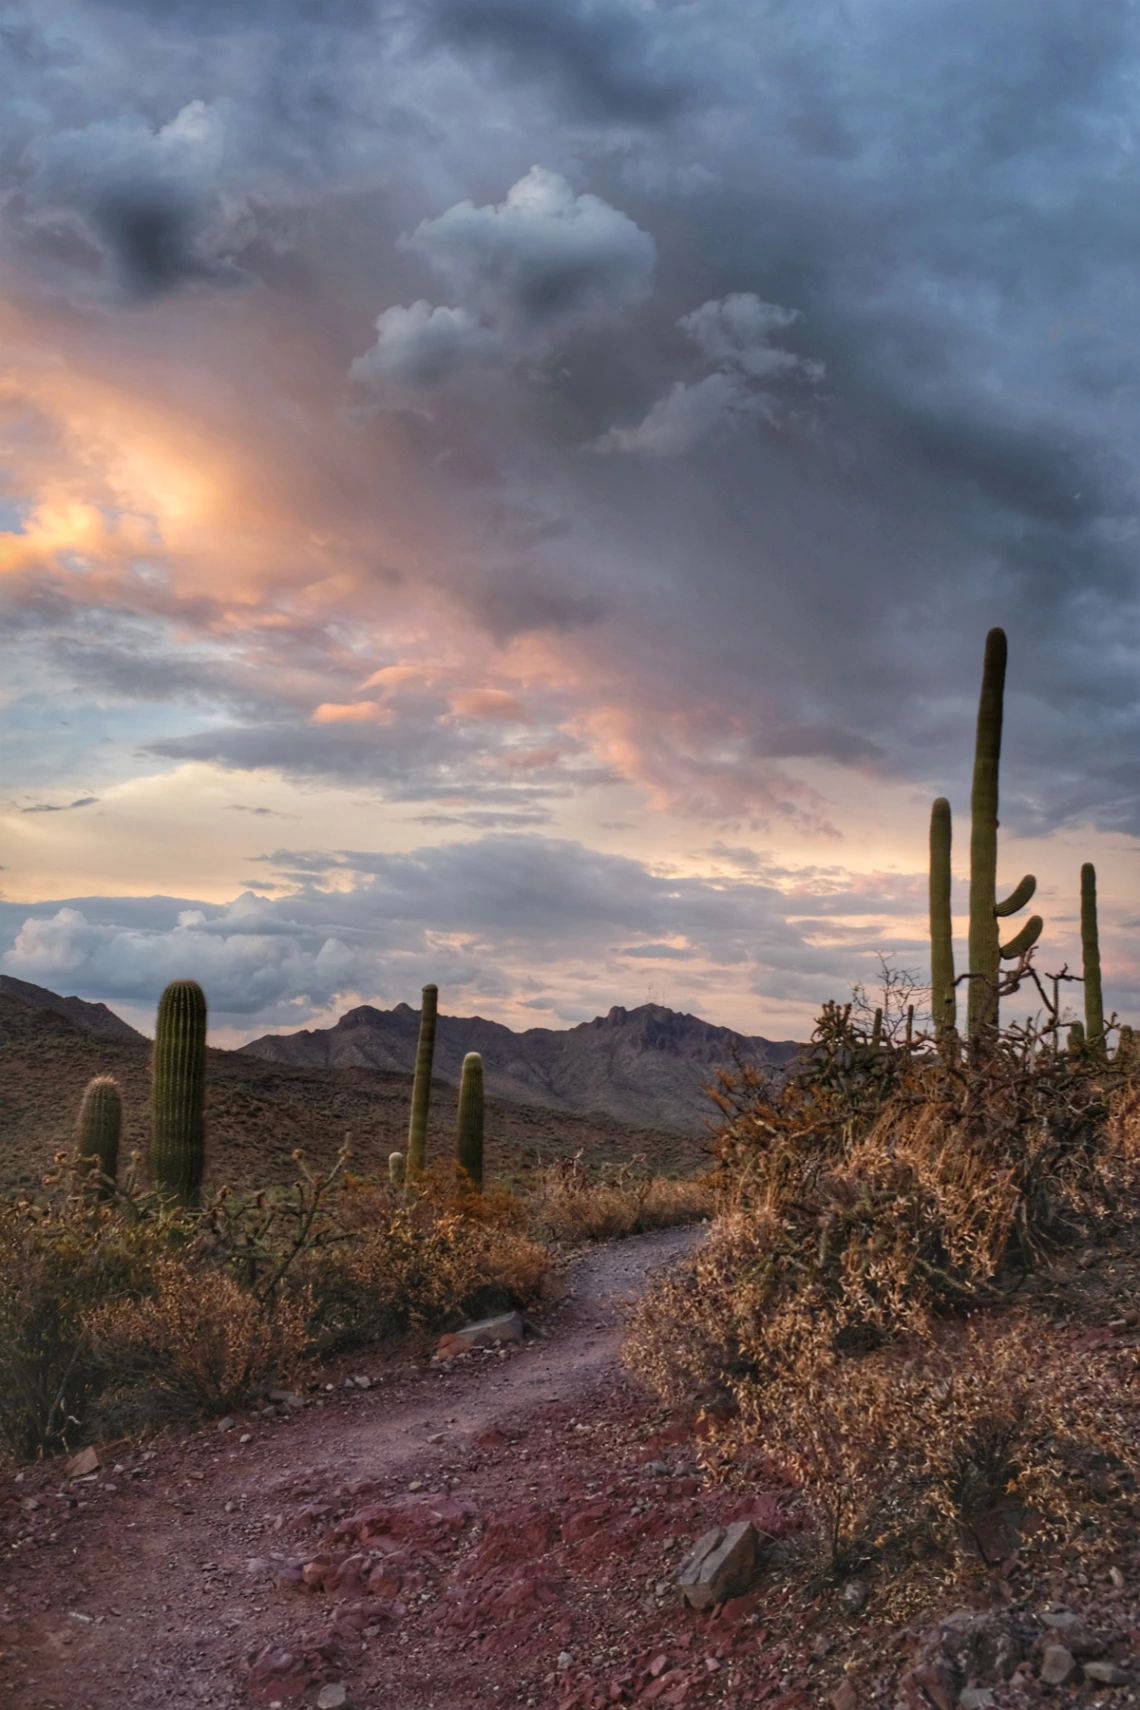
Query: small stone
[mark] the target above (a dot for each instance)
(228, 1423)
(364, 1383)
(1057, 1665)
(976, 1698)
(331, 1697)
(246, 1437)
(1117, 1578)
(845, 1697)
(853, 1597)
(416, 1484)
(658, 1468)
(85, 1462)
(506, 1328)
(565, 1659)
(1106, 1674)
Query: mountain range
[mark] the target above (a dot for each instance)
(644, 1066)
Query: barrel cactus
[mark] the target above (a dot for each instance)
(178, 1092)
(421, 1084)
(98, 1129)
(469, 1131)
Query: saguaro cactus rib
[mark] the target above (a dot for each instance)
(98, 1128)
(178, 1093)
(469, 1127)
(421, 1085)
(985, 944)
(943, 997)
(1090, 956)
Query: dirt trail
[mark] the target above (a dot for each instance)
(136, 1589)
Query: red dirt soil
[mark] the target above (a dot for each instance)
(502, 1530)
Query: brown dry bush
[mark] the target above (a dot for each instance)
(415, 1266)
(859, 1207)
(197, 1343)
(571, 1204)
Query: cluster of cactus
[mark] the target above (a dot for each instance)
(469, 1127)
(986, 951)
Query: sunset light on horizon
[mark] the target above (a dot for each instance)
(527, 517)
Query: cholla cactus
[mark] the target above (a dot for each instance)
(469, 1129)
(98, 1128)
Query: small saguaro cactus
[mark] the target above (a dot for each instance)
(986, 949)
(178, 1093)
(396, 1169)
(943, 997)
(97, 1131)
(1090, 956)
(421, 1085)
(469, 1129)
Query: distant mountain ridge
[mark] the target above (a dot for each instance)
(91, 1017)
(643, 1066)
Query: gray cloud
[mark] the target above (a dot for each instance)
(599, 58)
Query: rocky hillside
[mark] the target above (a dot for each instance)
(645, 1066)
(91, 1017)
(258, 1111)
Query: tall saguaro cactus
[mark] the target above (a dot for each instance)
(986, 948)
(943, 998)
(1090, 956)
(178, 1092)
(469, 1129)
(421, 1085)
(98, 1128)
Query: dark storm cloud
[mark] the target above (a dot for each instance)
(603, 61)
(793, 544)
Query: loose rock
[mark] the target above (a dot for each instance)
(1057, 1665)
(721, 1564)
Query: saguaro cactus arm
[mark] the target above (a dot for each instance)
(1090, 956)
(1016, 947)
(1018, 897)
(178, 1092)
(943, 997)
(469, 1128)
(421, 1084)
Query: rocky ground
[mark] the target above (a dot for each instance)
(507, 1529)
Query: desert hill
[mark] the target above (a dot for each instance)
(644, 1066)
(258, 1111)
(91, 1017)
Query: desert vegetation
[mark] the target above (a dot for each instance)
(131, 1298)
(872, 1318)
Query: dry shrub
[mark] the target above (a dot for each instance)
(199, 1343)
(415, 1268)
(571, 1204)
(862, 1209)
(932, 1443)
(56, 1262)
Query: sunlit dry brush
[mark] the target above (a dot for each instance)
(865, 1211)
(571, 1204)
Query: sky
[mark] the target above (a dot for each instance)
(514, 495)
